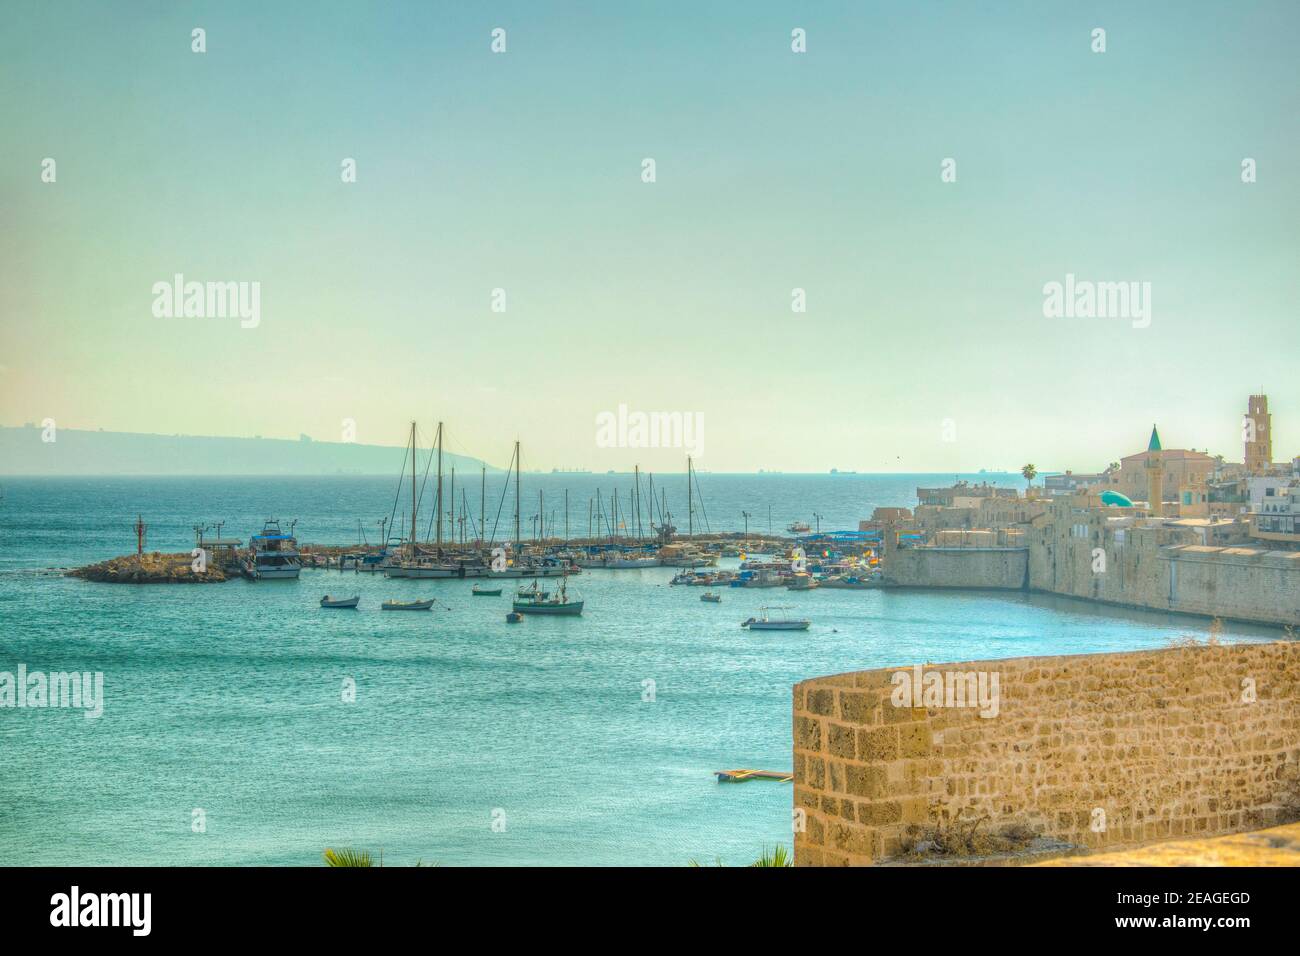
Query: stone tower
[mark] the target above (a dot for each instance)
(1155, 474)
(1257, 434)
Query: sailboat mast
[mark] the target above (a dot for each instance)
(412, 491)
(636, 498)
(518, 469)
(690, 502)
(439, 487)
(482, 504)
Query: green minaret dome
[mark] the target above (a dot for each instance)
(1154, 443)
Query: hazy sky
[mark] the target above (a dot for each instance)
(775, 171)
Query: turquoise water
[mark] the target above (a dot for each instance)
(229, 697)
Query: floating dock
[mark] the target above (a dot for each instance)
(740, 776)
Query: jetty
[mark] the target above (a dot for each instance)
(152, 568)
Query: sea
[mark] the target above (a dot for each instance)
(242, 724)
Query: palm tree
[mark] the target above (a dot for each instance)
(777, 856)
(1029, 472)
(348, 858)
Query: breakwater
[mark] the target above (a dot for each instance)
(151, 568)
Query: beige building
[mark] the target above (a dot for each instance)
(1175, 469)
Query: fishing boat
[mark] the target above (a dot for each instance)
(801, 581)
(479, 591)
(407, 605)
(273, 554)
(798, 527)
(536, 600)
(768, 623)
(328, 601)
(711, 598)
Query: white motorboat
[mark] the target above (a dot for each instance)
(768, 623)
(273, 554)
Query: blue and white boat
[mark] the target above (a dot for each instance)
(273, 555)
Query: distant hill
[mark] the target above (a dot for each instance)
(77, 452)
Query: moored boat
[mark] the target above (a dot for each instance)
(479, 590)
(407, 605)
(351, 602)
(768, 623)
(273, 555)
(537, 600)
(711, 598)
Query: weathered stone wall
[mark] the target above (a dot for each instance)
(1002, 568)
(1140, 567)
(1186, 741)
(1079, 554)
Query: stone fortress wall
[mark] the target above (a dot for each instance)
(1102, 750)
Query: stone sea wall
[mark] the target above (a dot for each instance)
(1241, 583)
(999, 568)
(1102, 750)
(1136, 568)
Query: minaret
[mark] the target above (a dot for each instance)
(1155, 474)
(1257, 434)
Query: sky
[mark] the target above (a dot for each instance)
(924, 345)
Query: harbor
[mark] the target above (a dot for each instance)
(565, 723)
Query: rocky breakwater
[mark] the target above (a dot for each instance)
(154, 568)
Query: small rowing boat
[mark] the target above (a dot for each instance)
(328, 601)
(479, 591)
(407, 605)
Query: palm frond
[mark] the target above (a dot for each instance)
(347, 857)
(777, 856)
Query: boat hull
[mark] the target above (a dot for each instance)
(572, 609)
(430, 573)
(276, 574)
